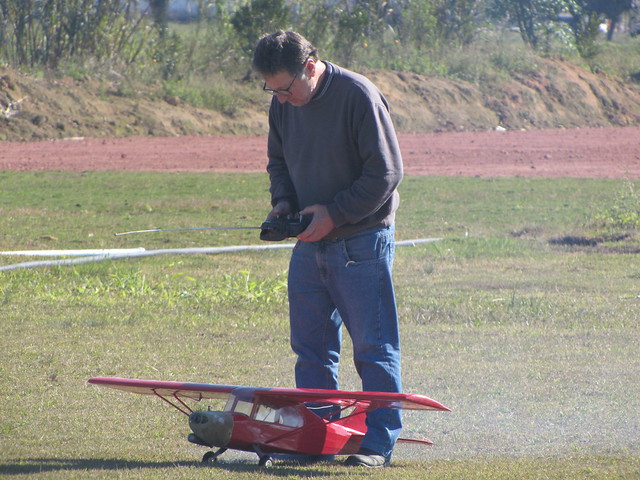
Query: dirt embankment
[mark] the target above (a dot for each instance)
(561, 121)
(560, 95)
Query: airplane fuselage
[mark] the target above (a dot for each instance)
(302, 432)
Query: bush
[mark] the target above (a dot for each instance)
(623, 213)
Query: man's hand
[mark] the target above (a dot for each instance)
(320, 226)
(282, 209)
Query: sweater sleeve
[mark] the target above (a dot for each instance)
(381, 168)
(281, 185)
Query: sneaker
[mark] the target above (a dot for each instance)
(366, 458)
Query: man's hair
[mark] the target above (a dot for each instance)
(282, 51)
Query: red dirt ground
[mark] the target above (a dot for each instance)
(588, 152)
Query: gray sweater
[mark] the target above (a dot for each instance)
(338, 150)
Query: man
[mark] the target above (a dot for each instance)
(333, 154)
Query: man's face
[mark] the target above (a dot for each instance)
(295, 89)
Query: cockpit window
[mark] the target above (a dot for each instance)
(266, 414)
(243, 407)
(288, 416)
(234, 404)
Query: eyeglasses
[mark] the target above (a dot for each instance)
(284, 91)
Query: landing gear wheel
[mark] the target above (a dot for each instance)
(266, 461)
(210, 458)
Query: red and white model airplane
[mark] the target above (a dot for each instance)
(273, 420)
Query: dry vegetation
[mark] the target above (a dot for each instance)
(544, 94)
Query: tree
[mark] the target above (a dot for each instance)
(34, 32)
(587, 16)
(159, 12)
(533, 17)
(257, 18)
(455, 20)
(418, 24)
(612, 10)
(352, 32)
(585, 26)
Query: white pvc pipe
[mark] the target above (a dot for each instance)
(72, 253)
(115, 254)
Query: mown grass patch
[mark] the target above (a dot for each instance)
(532, 344)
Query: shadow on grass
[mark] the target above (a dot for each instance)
(37, 465)
(31, 466)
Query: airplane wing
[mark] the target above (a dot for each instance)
(344, 398)
(194, 391)
(275, 396)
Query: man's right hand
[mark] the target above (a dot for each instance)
(321, 223)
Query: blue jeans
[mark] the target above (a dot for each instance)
(348, 281)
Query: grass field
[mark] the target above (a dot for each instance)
(523, 320)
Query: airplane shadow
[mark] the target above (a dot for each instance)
(30, 466)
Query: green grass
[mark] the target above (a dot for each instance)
(532, 342)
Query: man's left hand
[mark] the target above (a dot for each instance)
(320, 226)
